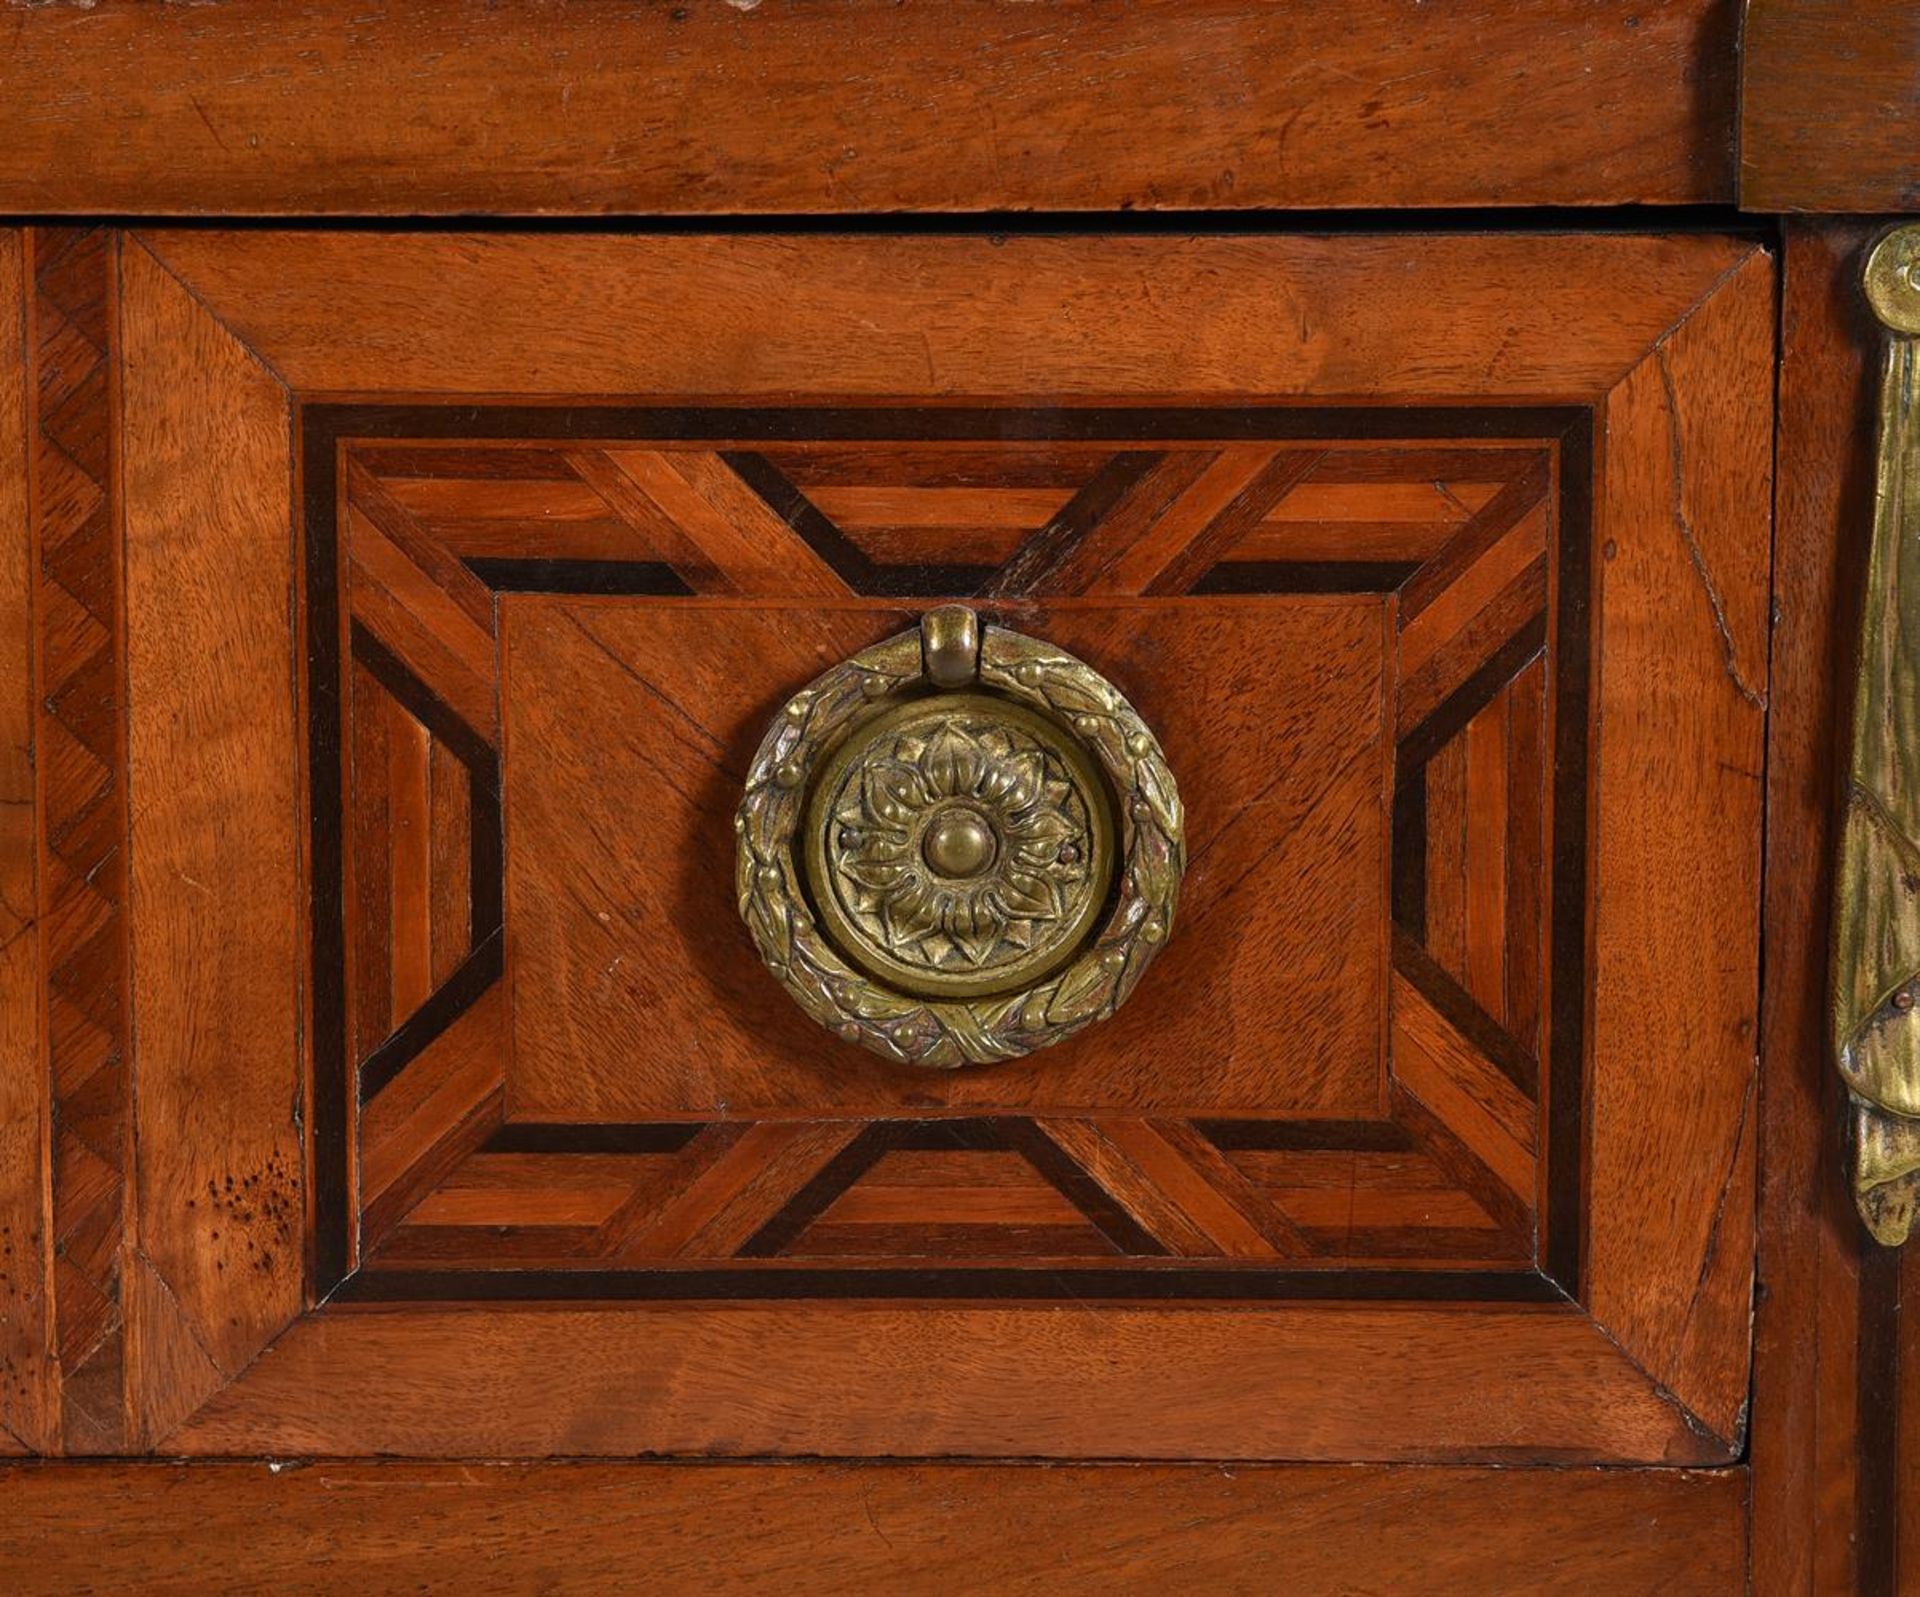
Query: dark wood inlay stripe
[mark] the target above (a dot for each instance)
(1060, 1281)
(1211, 545)
(329, 1247)
(750, 427)
(424, 705)
(1053, 1162)
(528, 1136)
(812, 1200)
(636, 577)
(1409, 856)
(1489, 525)
(1465, 1015)
(1459, 707)
(447, 1003)
(1055, 543)
(816, 529)
(1563, 1255)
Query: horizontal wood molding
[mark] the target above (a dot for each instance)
(1061, 1381)
(559, 109)
(761, 1528)
(1445, 317)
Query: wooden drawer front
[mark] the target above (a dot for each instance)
(462, 576)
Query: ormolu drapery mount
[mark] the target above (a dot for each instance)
(1876, 945)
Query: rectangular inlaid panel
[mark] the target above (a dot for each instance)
(629, 726)
(1360, 636)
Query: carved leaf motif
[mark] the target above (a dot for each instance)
(952, 764)
(1082, 992)
(1154, 783)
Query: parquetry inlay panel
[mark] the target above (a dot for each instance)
(81, 764)
(553, 1073)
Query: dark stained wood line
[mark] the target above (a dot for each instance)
(368, 495)
(1459, 707)
(1434, 465)
(1127, 1235)
(1409, 851)
(753, 426)
(486, 835)
(1489, 525)
(649, 578)
(1465, 1014)
(1054, 544)
(813, 1199)
(1060, 1281)
(848, 561)
(1226, 531)
(970, 1135)
(1461, 1164)
(1563, 1253)
(448, 1002)
(423, 704)
(813, 526)
(486, 854)
(525, 1136)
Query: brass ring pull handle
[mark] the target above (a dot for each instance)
(1876, 944)
(959, 846)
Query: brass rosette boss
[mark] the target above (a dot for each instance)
(960, 845)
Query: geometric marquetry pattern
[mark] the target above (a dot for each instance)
(1457, 535)
(80, 765)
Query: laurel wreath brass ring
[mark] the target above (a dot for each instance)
(960, 845)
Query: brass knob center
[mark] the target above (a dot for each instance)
(959, 844)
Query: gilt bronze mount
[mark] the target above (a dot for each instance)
(1876, 943)
(960, 845)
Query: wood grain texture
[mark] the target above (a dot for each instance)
(1808, 1412)
(854, 105)
(1524, 1377)
(1100, 317)
(1282, 910)
(1828, 114)
(1370, 1383)
(29, 1395)
(215, 870)
(779, 1529)
(1680, 695)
